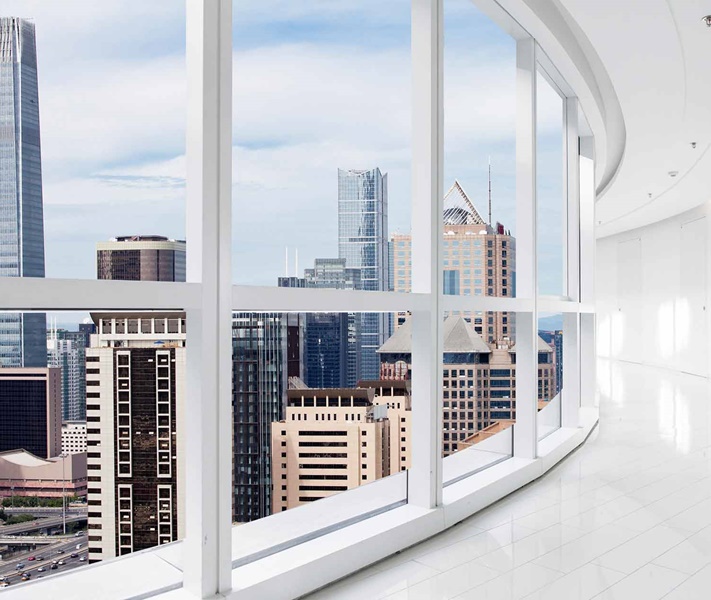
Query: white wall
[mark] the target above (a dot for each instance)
(652, 294)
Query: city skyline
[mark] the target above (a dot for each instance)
(97, 165)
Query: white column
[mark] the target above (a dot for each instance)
(425, 477)
(525, 430)
(588, 380)
(570, 393)
(208, 505)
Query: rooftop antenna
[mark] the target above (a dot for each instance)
(296, 263)
(490, 191)
(286, 262)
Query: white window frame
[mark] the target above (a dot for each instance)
(209, 298)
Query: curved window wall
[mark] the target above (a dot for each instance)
(443, 346)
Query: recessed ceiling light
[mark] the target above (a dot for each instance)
(707, 20)
(649, 194)
(693, 144)
(673, 173)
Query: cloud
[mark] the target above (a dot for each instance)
(318, 85)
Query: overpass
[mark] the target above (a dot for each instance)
(40, 524)
(31, 540)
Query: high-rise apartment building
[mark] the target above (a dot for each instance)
(363, 243)
(66, 351)
(135, 380)
(479, 260)
(479, 378)
(266, 352)
(31, 411)
(141, 258)
(22, 335)
(333, 440)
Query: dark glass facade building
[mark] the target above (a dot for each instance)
(22, 336)
(363, 243)
(266, 352)
(30, 405)
(141, 258)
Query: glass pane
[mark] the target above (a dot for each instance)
(550, 372)
(479, 157)
(303, 433)
(552, 213)
(100, 435)
(96, 114)
(478, 386)
(321, 136)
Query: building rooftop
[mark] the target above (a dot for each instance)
(459, 209)
(459, 337)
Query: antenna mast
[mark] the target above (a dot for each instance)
(490, 191)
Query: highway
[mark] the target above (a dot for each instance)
(41, 523)
(60, 550)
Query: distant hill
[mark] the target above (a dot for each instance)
(550, 323)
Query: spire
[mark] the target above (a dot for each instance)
(490, 191)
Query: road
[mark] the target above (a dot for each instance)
(52, 521)
(58, 551)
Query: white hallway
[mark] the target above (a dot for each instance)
(626, 516)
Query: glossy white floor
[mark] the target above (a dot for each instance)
(627, 516)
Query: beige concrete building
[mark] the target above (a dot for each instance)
(479, 378)
(135, 401)
(24, 474)
(479, 260)
(333, 440)
(73, 437)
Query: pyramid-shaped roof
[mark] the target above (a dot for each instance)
(543, 346)
(459, 337)
(459, 209)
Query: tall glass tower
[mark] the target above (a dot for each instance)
(23, 340)
(363, 243)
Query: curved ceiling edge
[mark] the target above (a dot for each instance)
(562, 39)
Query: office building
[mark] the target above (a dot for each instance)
(332, 440)
(31, 411)
(332, 342)
(141, 258)
(478, 260)
(266, 352)
(135, 380)
(73, 437)
(479, 378)
(24, 474)
(22, 335)
(363, 243)
(66, 351)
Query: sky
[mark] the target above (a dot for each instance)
(318, 86)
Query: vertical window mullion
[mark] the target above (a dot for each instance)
(425, 476)
(570, 399)
(208, 477)
(587, 270)
(525, 429)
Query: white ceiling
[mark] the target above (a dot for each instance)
(658, 56)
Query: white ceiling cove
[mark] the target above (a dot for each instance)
(657, 55)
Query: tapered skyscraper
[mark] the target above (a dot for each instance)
(363, 243)
(22, 336)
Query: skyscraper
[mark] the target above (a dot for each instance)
(22, 336)
(266, 352)
(479, 260)
(135, 425)
(141, 258)
(67, 351)
(363, 243)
